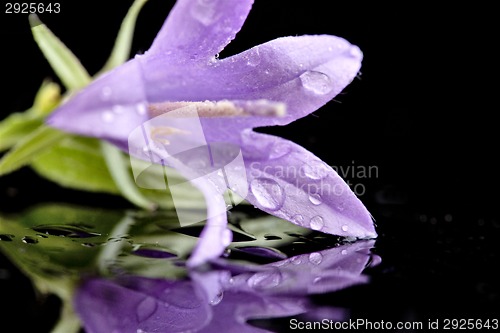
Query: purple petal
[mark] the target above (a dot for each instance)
(318, 272)
(150, 305)
(215, 236)
(291, 183)
(302, 72)
(200, 29)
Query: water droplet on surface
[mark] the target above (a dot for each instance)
(343, 252)
(268, 193)
(271, 237)
(141, 109)
(71, 231)
(146, 308)
(316, 82)
(253, 57)
(153, 252)
(296, 260)
(315, 199)
(317, 223)
(106, 93)
(315, 258)
(315, 170)
(227, 237)
(345, 228)
(6, 237)
(29, 240)
(107, 116)
(298, 219)
(265, 280)
(217, 298)
(279, 150)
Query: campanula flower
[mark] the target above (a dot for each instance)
(271, 84)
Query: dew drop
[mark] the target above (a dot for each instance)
(298, 219)
(29, 240)
(227, 237)
(279, 150)
(268, 193)
(296, 260)
(106, 93)
(217, 298)
(315, 170)
(141, 109)
(271, 237)
(265, 280)
(345, 228)
(316, 82)
(315, 258)
(107, 116)
(6, 237)
(153, 252)
(317, 223)
(146, 308)
(315, 199)
(343, 252)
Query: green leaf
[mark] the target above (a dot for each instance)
(28, 148)
(118, 167)
(76, 162)
(15, 127)
(64, 63)
(18, 125)
(121, 50)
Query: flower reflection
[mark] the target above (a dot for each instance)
(223, 298)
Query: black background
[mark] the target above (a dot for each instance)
(421, 113)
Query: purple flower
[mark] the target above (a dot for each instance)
(216, 301)
(271, 84)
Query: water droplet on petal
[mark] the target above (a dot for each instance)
(315, 258)
(279, 150)
(268, 193)
(217, 298)
(146, 308)
(106, 93)
(345, 228)
(343, 252)
(227, 237)
(315, 169)
(29, 240)
(298, 219)
(265, 280)
(315, 199)
(141, 109)
(107, 116)
(296, 260)
(317, 223)
(316, 82)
